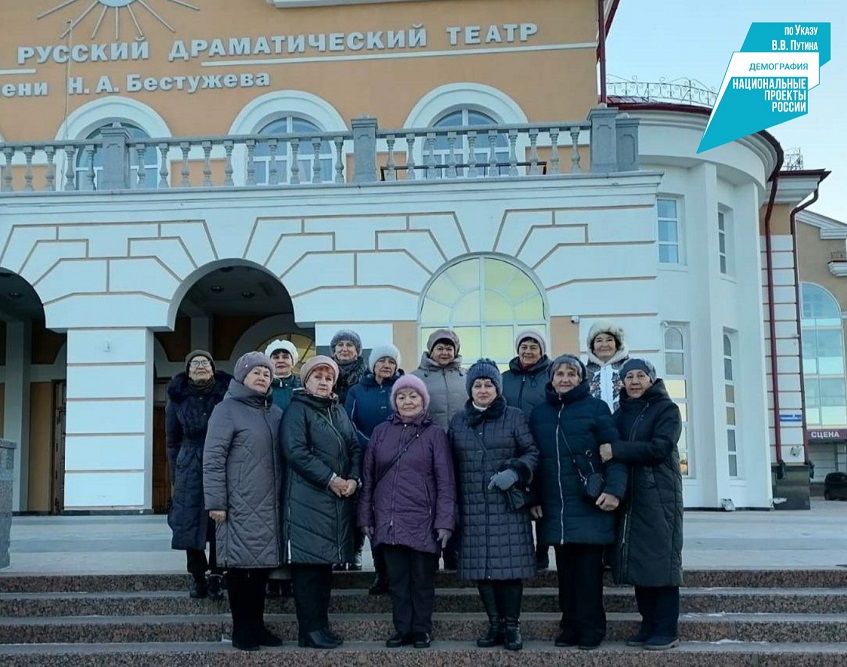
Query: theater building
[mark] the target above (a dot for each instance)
(184, 174)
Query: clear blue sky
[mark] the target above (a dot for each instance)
(653, 39)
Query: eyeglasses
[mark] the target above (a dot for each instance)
(200, 364)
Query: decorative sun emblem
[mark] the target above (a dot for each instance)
(117, 6)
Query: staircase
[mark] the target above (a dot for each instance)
(733, 618)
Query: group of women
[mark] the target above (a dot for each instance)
(444, 460)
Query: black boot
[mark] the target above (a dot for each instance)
(494, 635)
(215, 588)
(199, 589)
(512, 593)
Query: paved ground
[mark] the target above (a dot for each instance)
(719, 540)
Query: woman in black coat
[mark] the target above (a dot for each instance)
(324, 464)
(191, 397)
(569, 428)
(494, 451)
(650, 532)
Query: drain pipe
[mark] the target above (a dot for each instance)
(806, 450)
(771, 318)
(601, 49)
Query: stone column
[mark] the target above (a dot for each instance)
(115, 149)
(108, 435)
(364, 149)
(7, 467)
(16, 404)
(604, 140)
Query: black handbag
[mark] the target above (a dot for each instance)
(593, 482)
(521, 498)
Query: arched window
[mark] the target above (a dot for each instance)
(86, 160)
(678, 383)
(823, 357)
(283, 153)
(486, 301)
(487, 148)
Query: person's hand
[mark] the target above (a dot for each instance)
(218, 516)
(605, 452)
(535, 512)
(352, 486)
(367, 531)
(503, 480)
(338, 486)
(607, 502)
(443, 536)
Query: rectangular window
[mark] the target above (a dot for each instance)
(669, 236)
(726, 244)
(677, 383)
(731, 398)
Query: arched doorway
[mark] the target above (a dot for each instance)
(227, 308)
(32, 396)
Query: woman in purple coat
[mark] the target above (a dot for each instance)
(406, 505)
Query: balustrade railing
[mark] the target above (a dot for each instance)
(117, 161)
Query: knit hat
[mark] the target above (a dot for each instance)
(199, 353)
(346, 334)
(532, 334)
(606, 327)
(309, 367)
(447, 335)
(287, 345)
(247, 362)
(410, 381)
(484, 368)
(570, 360)
(380, 351)
(638, 365)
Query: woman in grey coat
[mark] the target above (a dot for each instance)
(242, 474)
(494, 450)
(324, 462)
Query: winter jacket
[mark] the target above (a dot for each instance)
(495, 541)
(523, 388)
(446, 387)
(283, 388)
(650, 532)
(408, 484)
(186, 417)
(349, 375)
(604, 377)
(318, 440)
(577, 419)
(369, 404)
(242, 474)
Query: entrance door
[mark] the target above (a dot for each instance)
(58, 459)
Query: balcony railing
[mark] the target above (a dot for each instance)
(117, 161)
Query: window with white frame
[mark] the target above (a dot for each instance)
(730, 400)
(677, 383)
(726, 243)
(823, 358)
(486, 301)
(487, 147)
(670, 231)
(279, 153)
(91, 162)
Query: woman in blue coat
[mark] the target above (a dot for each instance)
(650, 534)
(569, 427)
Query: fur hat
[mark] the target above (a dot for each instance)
(286, 345)
(638, 365)
(346, 334)
(309, 367)
(410, 382)
(443, 334)
(484, 368)
(569, 360)
(380, 351)
(533, 335)
(606, 327)
(247, 362)
(199, 353)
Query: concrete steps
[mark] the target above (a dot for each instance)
(760, 618)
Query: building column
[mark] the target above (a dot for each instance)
(108, 435)
(16, 405)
